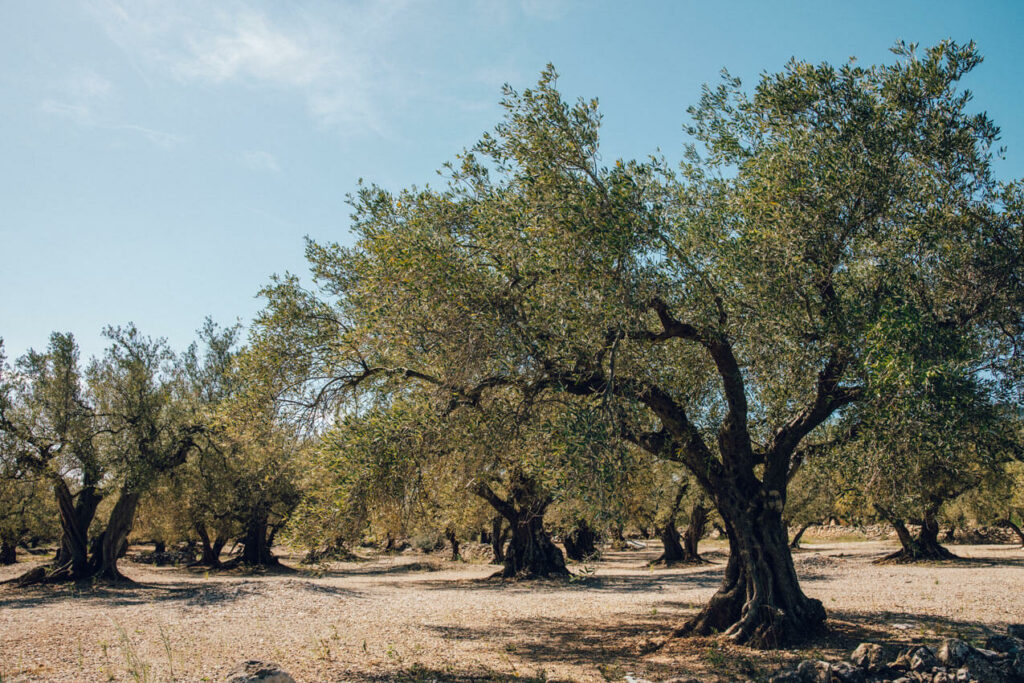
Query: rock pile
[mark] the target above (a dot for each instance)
(953, 660)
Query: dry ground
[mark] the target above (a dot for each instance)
(420, 618)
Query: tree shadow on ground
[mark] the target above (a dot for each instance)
(614, 646)
(905, 627)
(539, 642)
(417, 674)
(682, 578)
(188, 593)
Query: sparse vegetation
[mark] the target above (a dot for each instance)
(816, 318)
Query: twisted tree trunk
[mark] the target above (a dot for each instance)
(256, 550)
(114, 540)
(682, 549)
(921, 548)
(8, 553)
(531, 553)
(210, 551)
(579, 543)
(499, 534)
(453, 540)
(694, 531)
(760, 602)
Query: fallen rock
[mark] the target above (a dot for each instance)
(814, 671)
(923, 659)
(870, 656)
(255, 671)
(1007, 644)
(983, 670)
(954, 652)
(845, 672)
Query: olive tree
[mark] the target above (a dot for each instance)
(721, 315)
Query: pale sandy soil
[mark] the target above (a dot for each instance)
(393, 619)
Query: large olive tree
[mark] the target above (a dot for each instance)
(719, 316)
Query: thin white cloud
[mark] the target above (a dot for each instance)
(333, 62)
(252, 48)
(258, 160)
(75, 111)
(78, 96)
(86, 84)
(157, 137)
(85, 98)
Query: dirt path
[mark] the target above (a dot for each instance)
(416, 618)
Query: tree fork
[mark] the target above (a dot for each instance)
(530, 553)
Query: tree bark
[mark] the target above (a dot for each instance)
(72, 561)
(210, 551)
(8, 553)
(678, 549)
(449, 533)
(256, 549)
(499, 534)
(694, 531)
(531, 553)
(760, 602)
(672, 547)
(922, 548)
(795, 543)
(579, 543)
(76, 515)
(114, 540)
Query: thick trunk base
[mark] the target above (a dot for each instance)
(579, 543)
(499, 534)
(531, 554)
(674, 552)
(760, 603)
(453, 541)
(8, 553)
(925, 547)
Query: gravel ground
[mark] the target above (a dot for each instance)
(420, 618)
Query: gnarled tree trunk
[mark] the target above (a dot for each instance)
(76, 515)
(678, 549)
(671, 543)
(453, 540)
(256, 545)
(113, 542)
(210, 551)
(499, 534)
(530, 553)
(8, 553)
(760, 602)
(579, 543)
(694, 531)
(923, 547)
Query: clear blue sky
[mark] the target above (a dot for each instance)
(159, 160)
